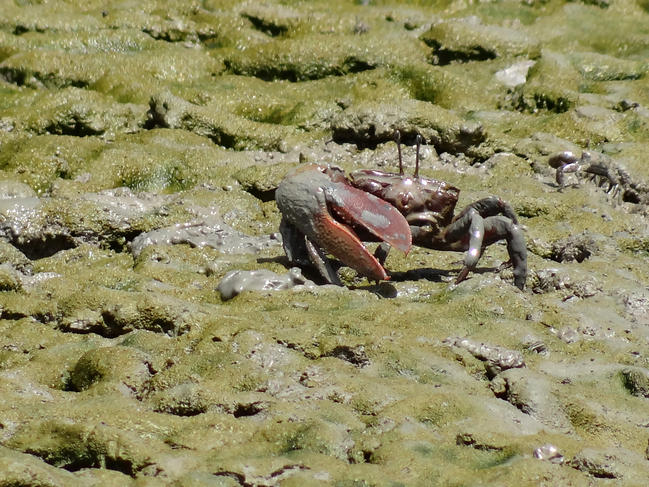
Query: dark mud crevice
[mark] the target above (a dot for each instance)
(443, 57)
(354, 65)
(603, 475)
(354, 355)
(269, 28)
(272, 479)
(236, 476)
(74, 460)
(20, 77)
(120, 242)
(20, 30)
(543, 101)
(632, 196)
(351, 65)
(116, 464)
(41, 317)
(117, 326)
(170, 36)
(245, 410)
(46, 246)
(156, 119)
(185, 411)
(263, 195)
(74, 126)
(596, 471)
(466, 439)
(360, 457)
(461, 143)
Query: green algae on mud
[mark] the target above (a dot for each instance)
(120, 364)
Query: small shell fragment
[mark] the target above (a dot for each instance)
(550, 453)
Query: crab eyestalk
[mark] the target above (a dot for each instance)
(397, 139)
(418, 139)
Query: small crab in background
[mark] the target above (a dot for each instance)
(602, 170)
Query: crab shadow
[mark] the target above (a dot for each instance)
(384, 289)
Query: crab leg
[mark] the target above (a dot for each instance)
(484, 225)
(492, 206)
(501, 227)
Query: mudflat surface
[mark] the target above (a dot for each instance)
(152, 332)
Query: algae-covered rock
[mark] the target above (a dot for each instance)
(532, 394)
(23, 469)
(368, 124)
(73, 111)
(636, 381)
(9, 279)
(152, 311)
(262, 181)
(39, 160)
(318, 56)
(552, 84)
(225, 129)
(186, 399)
(467, 39)
(272, 18)
(449, 89)
(28, 227)
(600, 67)
(126, 367)
(210, 232)
(15, 258)
(64, 443)
(59, 69)
(611, 463)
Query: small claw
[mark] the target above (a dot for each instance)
(321, 263)
(462, 275)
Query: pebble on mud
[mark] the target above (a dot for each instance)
(496, 358)
(238, 281)
(548, 452)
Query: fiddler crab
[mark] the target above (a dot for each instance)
(323, 211)
(596, 168)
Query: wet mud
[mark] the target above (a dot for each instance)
(152, 331)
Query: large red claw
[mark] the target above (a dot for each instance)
(343, 243)
(312, 195)
(376, 215)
